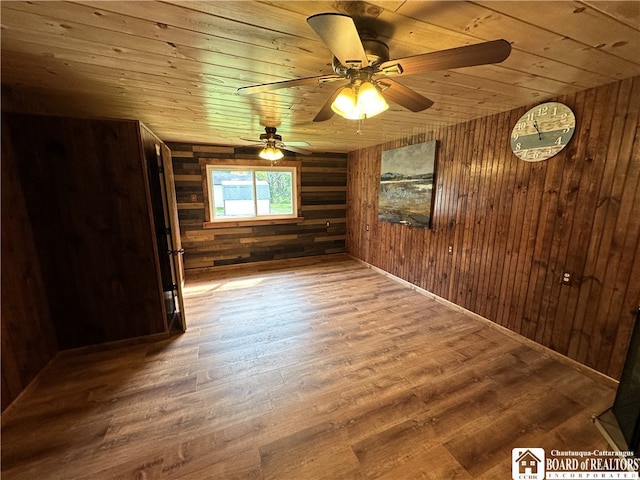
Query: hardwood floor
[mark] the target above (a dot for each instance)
(313, 369)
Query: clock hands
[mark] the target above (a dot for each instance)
(535, 125)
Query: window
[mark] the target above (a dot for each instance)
(250, 192)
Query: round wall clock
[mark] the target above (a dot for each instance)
(543, 132)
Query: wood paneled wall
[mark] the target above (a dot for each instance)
(28, 336)
(323, 199)
(86, 193)
(515, 227)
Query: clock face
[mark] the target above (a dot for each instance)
(543, 131)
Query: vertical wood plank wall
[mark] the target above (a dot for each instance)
(323, 194)
(515, 227)
(88, 207)
(28, 337)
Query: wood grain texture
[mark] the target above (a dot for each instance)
(304, 368)
(515, 227)
(28, 338)
(177, 65)
(322, 199)
(85, 190)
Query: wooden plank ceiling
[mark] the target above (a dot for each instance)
(176, 66)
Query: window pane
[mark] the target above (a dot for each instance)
(275, 192)
(233, 193)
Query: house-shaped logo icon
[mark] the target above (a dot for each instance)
(527, 463)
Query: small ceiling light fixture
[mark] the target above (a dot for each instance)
(360, 99)
(271, 152)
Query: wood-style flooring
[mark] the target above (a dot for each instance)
(318, 368)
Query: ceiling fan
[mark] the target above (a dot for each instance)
(363, 60)
(273, 145)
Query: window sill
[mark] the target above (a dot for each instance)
(252, 223)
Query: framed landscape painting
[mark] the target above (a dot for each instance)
(406, 185)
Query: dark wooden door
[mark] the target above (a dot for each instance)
(177, 251)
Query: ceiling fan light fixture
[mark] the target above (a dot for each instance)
(370, 100)
(270, 152)
(345, 104)
(355, 102)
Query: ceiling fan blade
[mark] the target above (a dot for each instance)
(339, 33)
(403, 96)
(300, 143)
(325, 112)
(266, 87)
(296, 150)
(467, 56)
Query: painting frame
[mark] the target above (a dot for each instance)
(407, 179)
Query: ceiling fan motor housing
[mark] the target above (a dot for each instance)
(270, 134)
(377, 53)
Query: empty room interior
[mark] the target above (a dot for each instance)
(295, 240)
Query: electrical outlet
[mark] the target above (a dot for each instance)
(328, 223)
(450, 248)
(367, 227)
(194, 197)
(566, 278)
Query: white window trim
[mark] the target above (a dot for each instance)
(208, 165)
